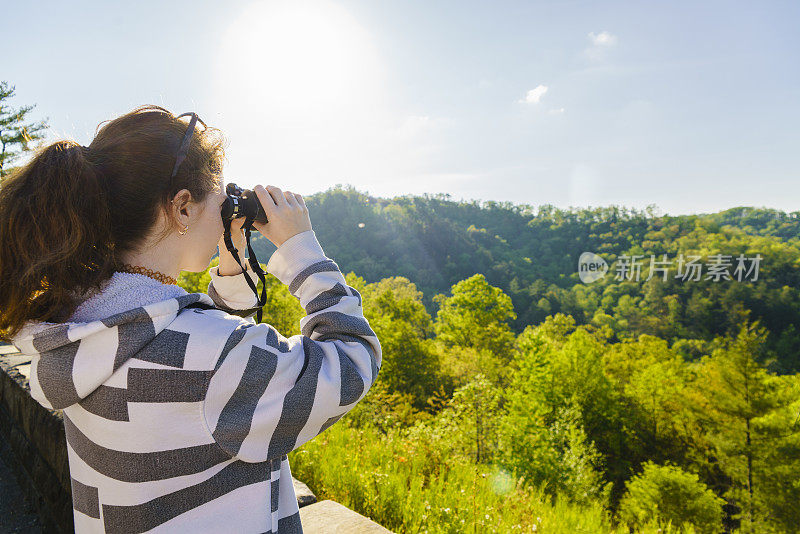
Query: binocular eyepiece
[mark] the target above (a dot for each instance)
(242, 203)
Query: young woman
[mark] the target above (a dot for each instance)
(178, 414)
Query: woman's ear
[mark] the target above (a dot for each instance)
(180, 203)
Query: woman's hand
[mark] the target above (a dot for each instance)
(227, 264)
(286, 212)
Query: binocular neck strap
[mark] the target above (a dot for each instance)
(254, 265)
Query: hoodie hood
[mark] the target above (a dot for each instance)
(70, 360)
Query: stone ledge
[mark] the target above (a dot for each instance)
(304, 495)
(330, 517)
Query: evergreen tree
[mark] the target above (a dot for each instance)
(16, 132)
(746, 413)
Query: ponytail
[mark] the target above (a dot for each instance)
(55, 234)
(67, 215)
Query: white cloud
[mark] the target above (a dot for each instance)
(600, 44)
(558, 111)
(534, 95)
(603, 39)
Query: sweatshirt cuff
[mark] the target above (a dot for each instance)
(294, 255)
(233, 289)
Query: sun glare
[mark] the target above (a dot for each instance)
(301, 90)
(294, 54)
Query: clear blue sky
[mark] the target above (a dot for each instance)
(692, 106)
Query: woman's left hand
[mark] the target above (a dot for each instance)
(227, 264)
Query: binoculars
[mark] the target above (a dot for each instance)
(242, 203)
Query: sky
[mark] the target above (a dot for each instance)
(689, 106)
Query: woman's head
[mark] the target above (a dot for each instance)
(71, 216)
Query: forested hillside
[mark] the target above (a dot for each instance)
(515, 397)
(532, 255)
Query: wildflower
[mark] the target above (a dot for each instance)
(402, 459)
(534, 528)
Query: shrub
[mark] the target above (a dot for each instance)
(668, 493)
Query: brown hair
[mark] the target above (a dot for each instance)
(67, 216)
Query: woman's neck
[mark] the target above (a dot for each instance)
(156, 259)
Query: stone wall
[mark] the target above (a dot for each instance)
(33, 445)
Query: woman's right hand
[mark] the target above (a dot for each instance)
(286, 212)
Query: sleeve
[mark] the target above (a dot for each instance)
(232, 294)
(270, 394)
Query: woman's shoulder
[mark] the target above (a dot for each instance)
(227, 330)
(198, 336)
(208, 327)
(201, 315)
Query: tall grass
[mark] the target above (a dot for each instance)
(385, 477)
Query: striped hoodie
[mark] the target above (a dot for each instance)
(180, 411)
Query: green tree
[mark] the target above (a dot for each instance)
(747, 413)
(476, 407)
(557, 405)
(395, 312)
(668, 493)
(780, 484)
(475, 317)
(651, 379)
(16, 132)
(466, 427)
